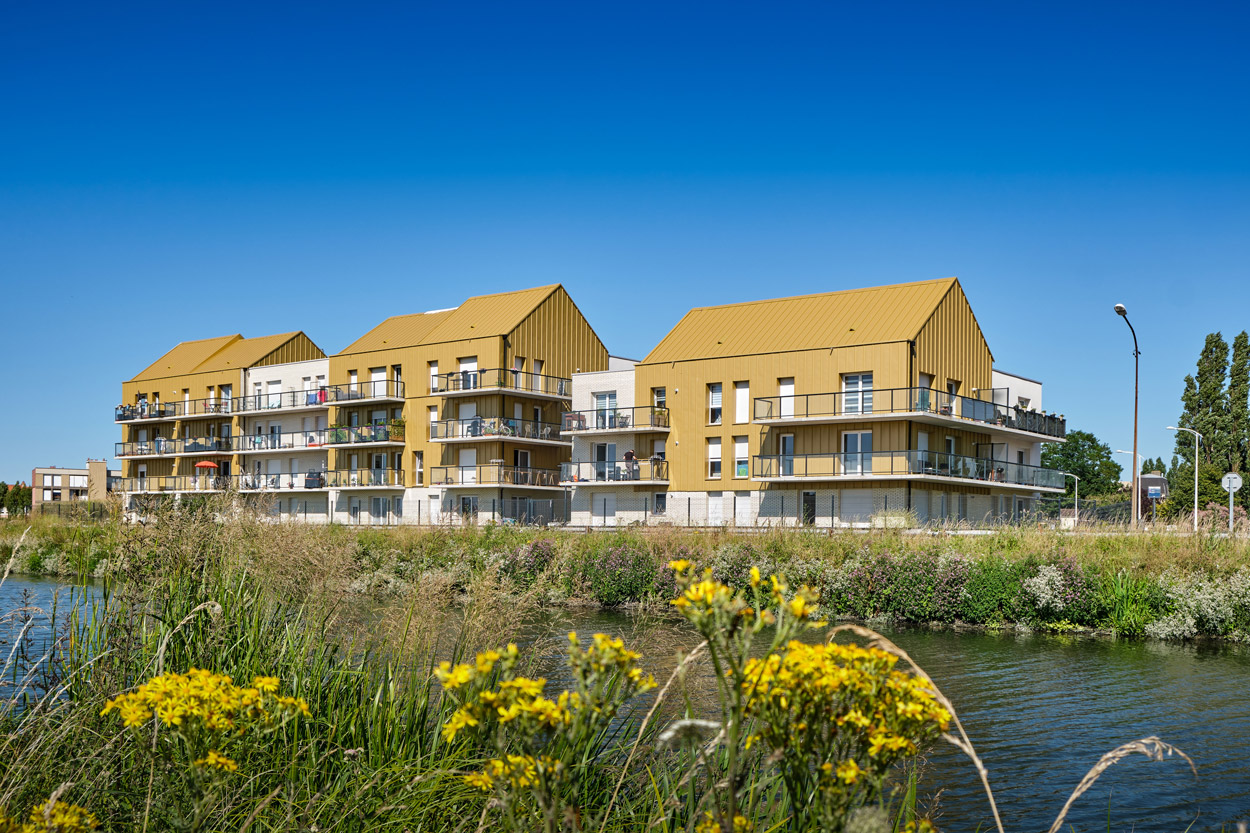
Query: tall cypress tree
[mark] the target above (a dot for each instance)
(1239, 403)
(1205, 402)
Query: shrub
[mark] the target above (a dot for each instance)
(525, 563)
(617, 573)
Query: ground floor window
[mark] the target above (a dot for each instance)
(468, 507)
(661, 503)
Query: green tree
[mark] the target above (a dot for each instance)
(17, 501)
(1205, 406)
(1089, 459)
(1239, 403)
(1148, 465)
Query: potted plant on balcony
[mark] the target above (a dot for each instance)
(338, 433)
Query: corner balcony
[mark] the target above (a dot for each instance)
(361, 393)
(288, 441)
(493, 475)
(616, 421)
(145, 411)
(615, 473)
(501, 380)
(904, 465)
(310, 481)
(916, 404)
(482, 429)
(384, 433)
(175, 447)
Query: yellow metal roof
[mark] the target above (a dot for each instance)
(221, 353)
(806, 322)
(479, 317)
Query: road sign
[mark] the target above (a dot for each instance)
(1154, 492)
(1231, 482)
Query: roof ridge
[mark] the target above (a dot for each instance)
(824, 294)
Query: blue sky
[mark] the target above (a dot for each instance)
(174, 171)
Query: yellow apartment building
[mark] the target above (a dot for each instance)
(456, 414)
(205, 417)
(840, 409)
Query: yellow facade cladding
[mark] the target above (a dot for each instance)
(541, 324)
(197, 370)
(896, 333)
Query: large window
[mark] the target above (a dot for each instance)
(661, 503)
(741, 460)
(857, 452)
(713, 458)
(857, 393)
(714, 404)
(659, 397)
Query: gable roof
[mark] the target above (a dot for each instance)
(806, 322)
(481, 316)
(220, 353)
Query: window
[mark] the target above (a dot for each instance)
(1020, 457)
(47, 494)
(857, 393)
(713, 404)
(950, 445)
(397, 373)
(605, 409)
(1022, 402)
(659, 397)
(657, 449)
(353, 381)
(952, 387)
(661, 503)
(857, 452)
(785, 391)
(56, 480)
(434, 377)
(713, 458)
(78, 481)
(741, 461)
(742, 402)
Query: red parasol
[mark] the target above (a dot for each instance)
(206, 464)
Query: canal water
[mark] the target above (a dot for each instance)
(1041, 709)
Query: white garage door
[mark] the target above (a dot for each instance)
(603, 508)
(920, 505)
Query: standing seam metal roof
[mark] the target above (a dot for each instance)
(807, 322)
(221, 353)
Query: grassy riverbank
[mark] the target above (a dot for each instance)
(284, 605)
(1160, 585)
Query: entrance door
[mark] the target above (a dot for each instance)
(377, 381)
(715, 508)
(923, 464)
(468, 424)
(605, 461)
(786, 391)
(379, 470)
(808, 513)
(857, 452)
(353, 510)
(379, 509)
(468, 465)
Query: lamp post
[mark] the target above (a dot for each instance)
(1122, 311)
(1197, 443)
(1076, 498)
(1136, 464)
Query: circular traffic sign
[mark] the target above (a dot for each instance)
(1231, 482)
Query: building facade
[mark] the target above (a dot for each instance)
(449, 415)
(53, 485)
(874, 406)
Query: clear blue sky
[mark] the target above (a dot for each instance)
(178, 170)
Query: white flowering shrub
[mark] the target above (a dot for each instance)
(1203, 603)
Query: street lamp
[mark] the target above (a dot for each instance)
(1136, 464)
(1197, 443)
(1122, 311)
(1076, 499)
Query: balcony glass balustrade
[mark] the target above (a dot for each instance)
(493, 474)
(903, 463)
(284, 400)
(493, 428)
(286, 441)
(615, 471)
(382, 389)
(643, 418)
(470, 381)
(816, 406)
(384, 432)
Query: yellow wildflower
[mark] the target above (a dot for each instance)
(216, 760)
(849, 771)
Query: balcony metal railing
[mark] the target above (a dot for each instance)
(493, 474)
(385, 432)
(144, 410)
(641, 418)
(466, 381)
(906, 400)
(354, 478)
(489, 428)
(291, 440)
(601, 471)
(896, 463)
(315, 398)
(161, 446)
(381, 389)
(254, 482)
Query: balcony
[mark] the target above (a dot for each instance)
(615, 472)
(291, 400)
(494, 474)
(904, 465)
(383, 390)
(616, 420)
(496, 380)
(481, 429)
(144, 411)
(920, 404)
(384, 433)
(289, 441)
(365, 479)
